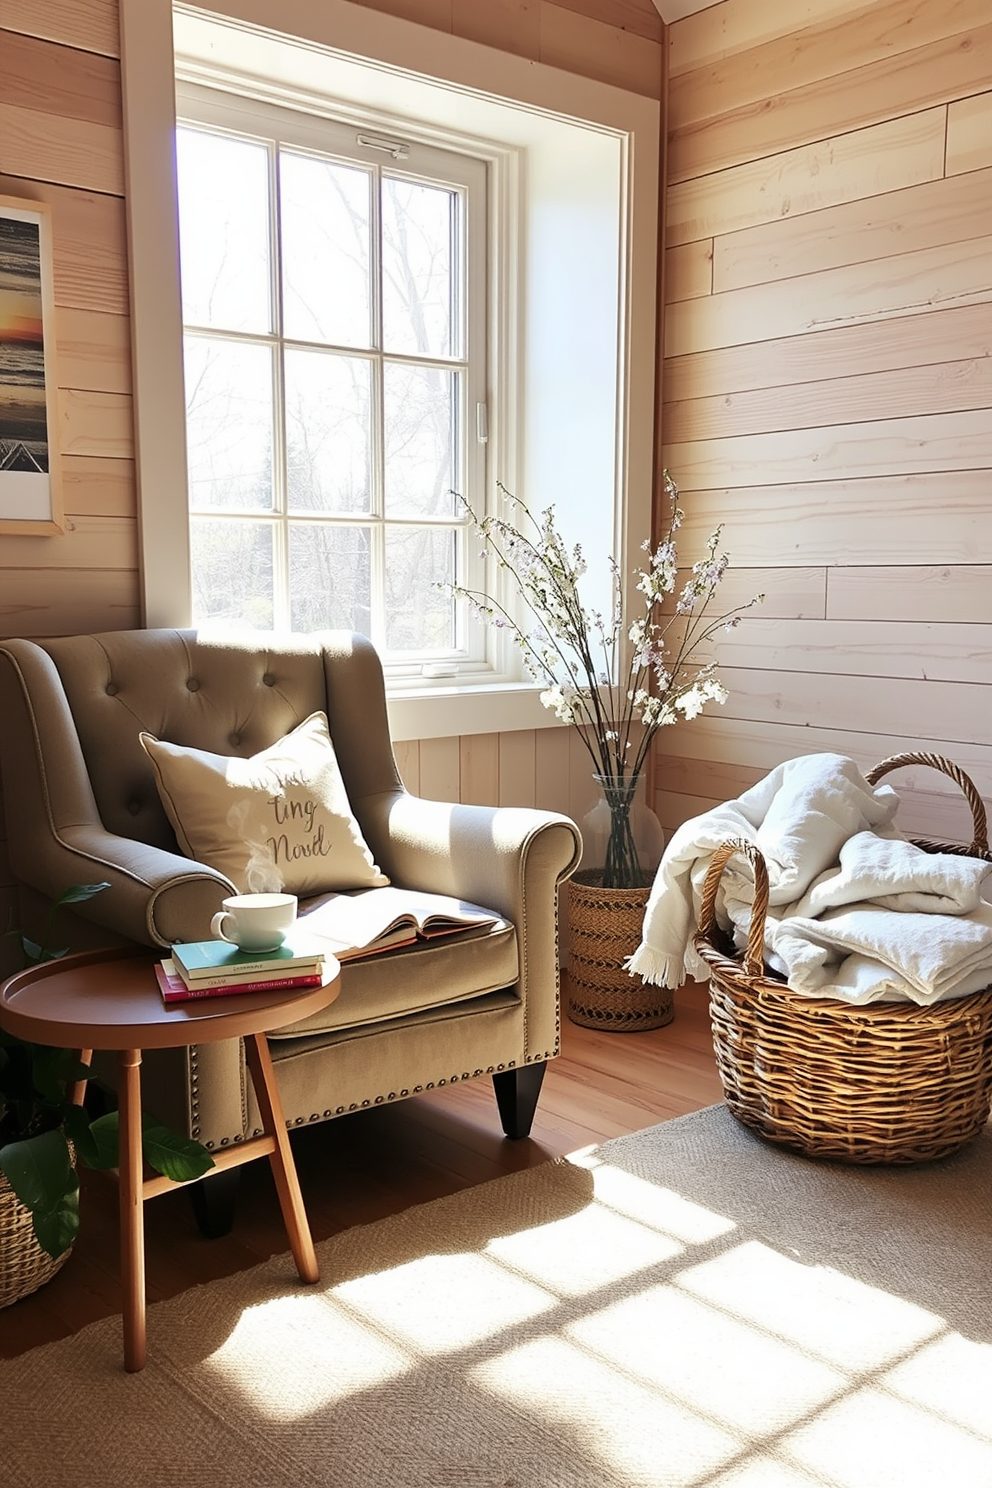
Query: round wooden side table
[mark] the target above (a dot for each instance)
(109, 999)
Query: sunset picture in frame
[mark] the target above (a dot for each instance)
(30, 488)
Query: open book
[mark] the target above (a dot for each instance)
(371, 920)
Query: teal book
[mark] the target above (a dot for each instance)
(204, 958)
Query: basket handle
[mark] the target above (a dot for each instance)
(754, 956)
(980, 842)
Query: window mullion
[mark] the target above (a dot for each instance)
(377, 495)
(282, 607)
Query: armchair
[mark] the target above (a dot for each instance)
(82, 805)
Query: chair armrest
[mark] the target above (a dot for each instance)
(155, 897)
(508, 858)
(56, 837)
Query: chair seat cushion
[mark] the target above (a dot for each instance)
(416, 978)
(277, 822)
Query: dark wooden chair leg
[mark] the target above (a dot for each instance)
(214, 1200)
(517, 1091)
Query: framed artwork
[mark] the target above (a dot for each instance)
(30, 485)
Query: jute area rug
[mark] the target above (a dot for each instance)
(685, 1306)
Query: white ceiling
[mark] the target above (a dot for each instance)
(676, 10)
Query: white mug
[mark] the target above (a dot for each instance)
(255, 922)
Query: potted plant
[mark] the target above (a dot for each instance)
(44, 1135)
(619, 679)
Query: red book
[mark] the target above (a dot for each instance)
(174, 989)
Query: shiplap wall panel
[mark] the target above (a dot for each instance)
(904, 446)
(898, 648)
(830, 401)
(901, 284)
(511, 25)
(440, 769)
(93, 350)
(950, 592)
(91, 25)
(969, 134)
(721, 31)
(722, 743)
(95, 487)
(478, 769)
(912, 341)
(896, 705)
(689, 270)
(88, 542)
(948, 387)
(838, 523)
(74, 84)
(937, 74)
(857, 166)
(551, 782)
(832, 48)
(71, 152)
(517, 765)
(94, 423)
(623, 58)
(639, 17)
(83, 600)
(938, 212)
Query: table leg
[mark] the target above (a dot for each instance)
(77, 1093)
(283, 1167)
(132, 1218)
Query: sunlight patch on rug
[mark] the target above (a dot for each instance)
(816, 1309)
(586, 1251)
(875, 1439)
(953, 1379)
(623, 1425)
(443, 1303)
(324, 1355)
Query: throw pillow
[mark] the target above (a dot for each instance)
(279, 821)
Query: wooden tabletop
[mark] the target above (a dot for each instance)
(110, 999)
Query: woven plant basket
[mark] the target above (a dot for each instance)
(604, 927)
(890, 1082)
(24, 1266)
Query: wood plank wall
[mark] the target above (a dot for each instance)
(827, 383)
(61, 143)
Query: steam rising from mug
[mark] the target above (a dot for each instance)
(261, 875)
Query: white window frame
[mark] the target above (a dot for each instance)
(319, 130)
(538, 109)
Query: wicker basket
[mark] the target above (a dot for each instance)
(890, 1082)
(24, 1266)
(604, 927)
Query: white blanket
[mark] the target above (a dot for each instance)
(846, 892)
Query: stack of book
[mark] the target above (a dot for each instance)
(215, 968)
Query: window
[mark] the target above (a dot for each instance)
(572, 265)
(334, 307)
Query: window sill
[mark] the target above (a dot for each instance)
(444, 712)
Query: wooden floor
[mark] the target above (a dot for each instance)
(363, 1167)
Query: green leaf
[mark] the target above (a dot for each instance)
(32, 950)
(76, 893)
(39, 1171)
(104, 1132)
(179, 1158)
(56, 1228)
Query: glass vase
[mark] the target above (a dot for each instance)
(621, 835)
